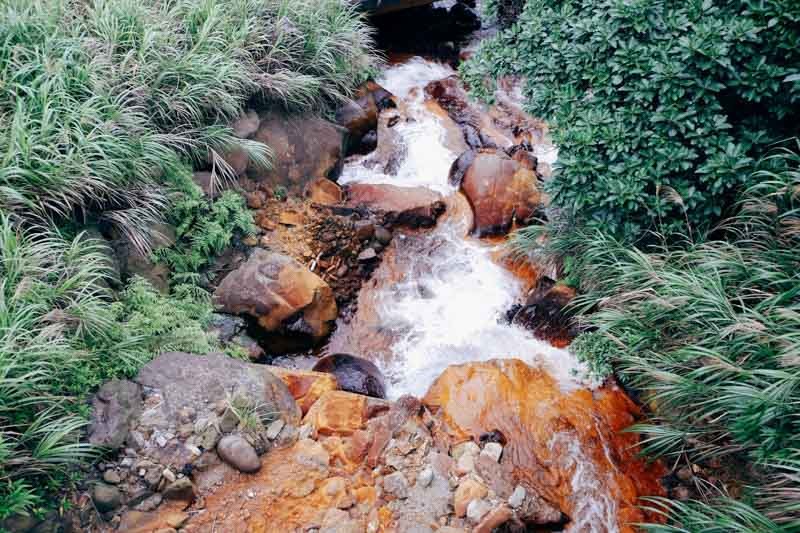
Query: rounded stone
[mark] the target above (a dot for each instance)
(238, 453)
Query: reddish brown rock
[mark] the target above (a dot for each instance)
(305, 148)
(273, 288)
(500, 188)
(541, 423)
(410, 206)
(337, 413)
(360, 115)
(545, 312)
(305, 386)
(324, 191)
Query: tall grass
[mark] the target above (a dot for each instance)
(709, 332)
(103, 100)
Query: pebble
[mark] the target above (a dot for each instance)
(106, 497)
(239, 453)
(168, 475)
(492, 450)
(275, 428)
(425, 477)
(150, 503)
(465, 448)
(161, 440)
(517, 497)
(112, 477)
(180, 489)
(465, 464)
(477, 509)
(367, 255)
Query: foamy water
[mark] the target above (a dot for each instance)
(450, 307)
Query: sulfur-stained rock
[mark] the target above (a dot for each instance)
(280, 294)
(305, 148)
(410, 206)
(499, 187)
(305, 386)
(337, 413)
(324, 191)
(354, 374)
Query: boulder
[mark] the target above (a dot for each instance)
(191, 381)
(545, 311)
(115, 409)
(500, 188)
(280, 294)
(360, 116)
(324, 191)
(305, 148)
(416, 207)
(240, 454)
(354, 374)
(106, 497)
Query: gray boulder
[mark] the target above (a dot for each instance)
(238, 453)
(115, 408)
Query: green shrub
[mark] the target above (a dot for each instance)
(60, 337)
(710, 334)
(104, 99)
(658, 106)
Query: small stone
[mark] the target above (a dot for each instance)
(517, 497)
(220, 406)
(180, 489)
(425, 477)
(492, 450)
(186, 415)
(367, 255)
(126, 463)
(106, 497)
(477, 509)
(468, 448)
(238, 453)
(465, 464)
(275, 428)
(209, 437)
(364, 230)
(153, 476)
(466, 492)
(161, 440)
(396, 484)
(136, 440)
(150, 504)
(112, 477)
(383, 235)
(169, 475)
(229, 421)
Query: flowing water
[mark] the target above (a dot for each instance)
(448, 307)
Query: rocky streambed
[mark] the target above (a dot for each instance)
(444, 399)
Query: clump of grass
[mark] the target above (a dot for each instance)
(709, 333)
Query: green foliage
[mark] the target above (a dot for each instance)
(204, 228)
(61, 336)
(104, 98)
(658, 106)
(709, 332)
(596, 351)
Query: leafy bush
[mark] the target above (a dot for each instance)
(104, 99)
(658, 107)
(61, 336)
(710, 334)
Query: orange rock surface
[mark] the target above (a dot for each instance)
(530, 410)
(305, 386)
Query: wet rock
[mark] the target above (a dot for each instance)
(306, 387)
(545, 311)
(209, 183)
(239, 453)
(275, 289)
(324, 191)
(115, 408)
(501, 189)
(466, 492)
(409, 206)
(106, 497)
(354, 374)
(305, 148)
(237, 161)
(360, 116)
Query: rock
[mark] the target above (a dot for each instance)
(246, 125)
(168, 475)
(112, 477)
(425, 477)
(176, 520)
(150, 504)
(304, 385)
(305, 148)
(228, 421)
(542, 424)
(545, 311)
(324, 191)
(396, 484)
(465, 464)
(354, 374)
(492, 450)
(477, 509)
(364, 230)
(360, 116)
(501, 189)
(368, 254)
(115, 407)
(273, 288)
(494, 519)
(338, 521)
(181, 489)
(291, 218)
(238, 453)
(106, 497)
(409, 206)
(517, 497)
(337, 413)
(274, 429)
(383, 235)
(466, 492)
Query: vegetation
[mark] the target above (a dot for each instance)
(107, 107)
(659, 108)
(709, 333)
